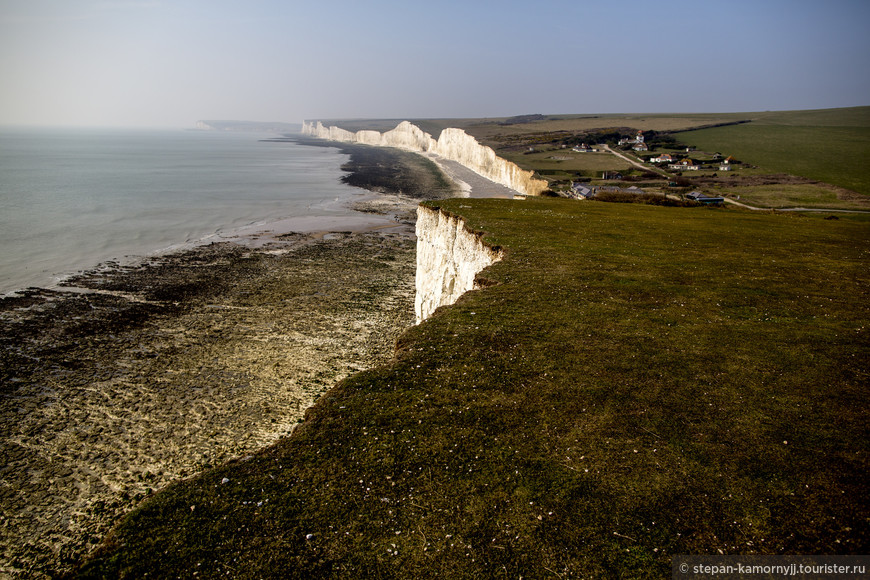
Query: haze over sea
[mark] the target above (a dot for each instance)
(71, 199)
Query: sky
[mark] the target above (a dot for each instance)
(169, 63)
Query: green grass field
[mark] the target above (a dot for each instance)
(567, 161)
(830, 146)
(634, 382)
(806, 195)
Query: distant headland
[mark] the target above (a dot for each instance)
(248, 126)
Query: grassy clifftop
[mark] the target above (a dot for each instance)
(637, 382)
(829, 145)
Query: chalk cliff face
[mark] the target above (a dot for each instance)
(449, 256)
(453, 144)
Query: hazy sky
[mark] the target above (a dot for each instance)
(172, 62)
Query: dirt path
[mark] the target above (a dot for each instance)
(637, 163)
(727, 200)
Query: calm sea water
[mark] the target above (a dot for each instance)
(73, 198)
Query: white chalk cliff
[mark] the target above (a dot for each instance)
(453, 144)
(449, 257)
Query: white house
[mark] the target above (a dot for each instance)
(685, 165)
(637, 139)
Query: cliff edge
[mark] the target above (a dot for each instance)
(449, 257)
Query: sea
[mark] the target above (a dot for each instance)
(71, 199)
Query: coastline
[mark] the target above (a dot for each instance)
(128, 377)
(180, 364)
(136, 194)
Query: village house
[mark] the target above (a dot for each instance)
(726, 164)
(638, 139)
(663, 158)
(685, 165)
(640, 147)
(581, 191)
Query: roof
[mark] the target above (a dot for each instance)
(704, 198)
(582, 190)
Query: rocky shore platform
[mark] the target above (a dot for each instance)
(144, 375)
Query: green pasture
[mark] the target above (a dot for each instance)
(568, 162)
(835, 152)
(808, 195)
(633, 382)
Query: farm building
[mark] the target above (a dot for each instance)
(703, 198)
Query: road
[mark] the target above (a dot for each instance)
(668, 176)
(636, 163)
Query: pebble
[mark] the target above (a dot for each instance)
(124, 396)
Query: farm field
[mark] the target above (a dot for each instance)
(788, 195)
(492, 132)
(484, 129)
(830, 146)
(564, 163)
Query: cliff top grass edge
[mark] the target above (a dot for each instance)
(637, 382)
